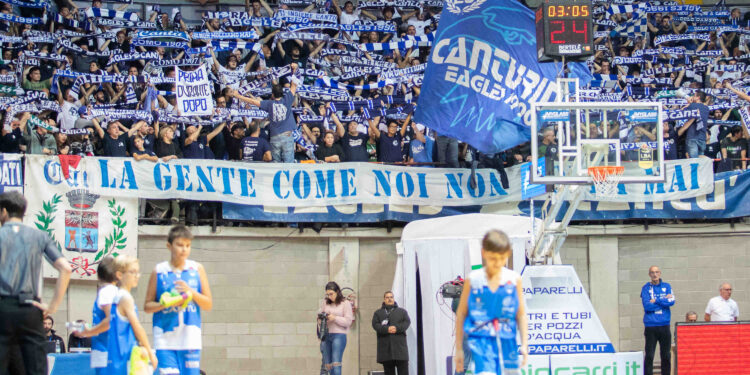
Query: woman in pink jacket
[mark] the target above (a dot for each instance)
(339, 317)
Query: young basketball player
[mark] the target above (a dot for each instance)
(177, 292)
(125, 331)
(491, 311)
(99, 333)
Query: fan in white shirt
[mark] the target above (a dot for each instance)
(722, 308)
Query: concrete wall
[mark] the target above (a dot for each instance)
(694, 259)
(267, 283)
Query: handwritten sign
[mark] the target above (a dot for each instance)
(194, 92)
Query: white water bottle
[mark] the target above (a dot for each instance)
(57, 346)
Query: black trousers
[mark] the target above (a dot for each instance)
(21, 327)
(390, 367)
(663, 336)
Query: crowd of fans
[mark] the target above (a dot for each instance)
(315, 81)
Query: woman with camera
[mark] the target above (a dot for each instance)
(338, 316)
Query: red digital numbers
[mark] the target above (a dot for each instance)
(585, 30)
(553, 33)
(568, 32)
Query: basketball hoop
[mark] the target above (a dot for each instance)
(605, 179)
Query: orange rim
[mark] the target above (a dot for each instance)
(601, 172)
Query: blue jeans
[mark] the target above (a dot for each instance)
(333, 351)
(282, 148)
(696, 147)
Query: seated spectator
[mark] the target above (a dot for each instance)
(76, 343)
(329, 151)
(691, 317)
(254, 147)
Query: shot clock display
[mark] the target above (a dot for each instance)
(564, 28)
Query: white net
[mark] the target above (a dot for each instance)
(606, 179)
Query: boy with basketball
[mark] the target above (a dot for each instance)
(491, 311)
(177, 292)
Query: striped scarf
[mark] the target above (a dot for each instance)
(109, 13)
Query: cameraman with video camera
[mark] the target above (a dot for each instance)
(391, 322)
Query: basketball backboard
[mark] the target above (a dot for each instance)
(569, 137)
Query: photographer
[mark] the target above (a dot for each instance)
(339, 317)
(391, 322)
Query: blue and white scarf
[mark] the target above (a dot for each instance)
(284, 35)
(677, 37)
(150, 34)
(114, 59)
(322, 93)
(26, 4)
(294, 16)
(25, 20)
(180, 62)
(329, 82)
(109, 13)
(403, 72)
(126, 24)
(64, 21)
(250, 35)
(157, 43)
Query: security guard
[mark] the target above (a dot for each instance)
(21, 309)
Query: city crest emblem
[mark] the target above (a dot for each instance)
(463, 6)
(81, 224)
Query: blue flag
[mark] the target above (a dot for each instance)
(483, 74)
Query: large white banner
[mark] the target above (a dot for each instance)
(194, 92)
(316, 185)
(85, 226)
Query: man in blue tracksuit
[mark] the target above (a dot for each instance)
(657, 297)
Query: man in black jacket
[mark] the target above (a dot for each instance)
(391, 322)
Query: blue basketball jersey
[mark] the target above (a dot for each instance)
(176, 328)
(491, 317)
(121, 339)
(104, 296)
